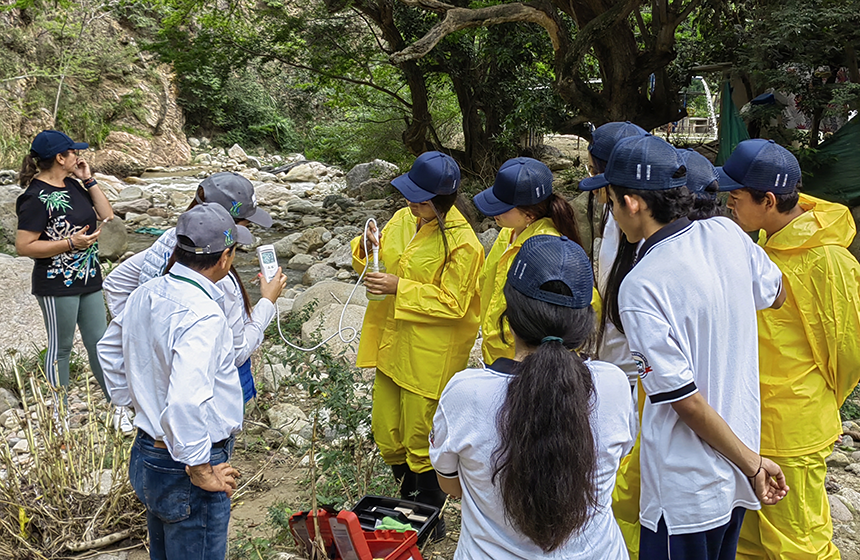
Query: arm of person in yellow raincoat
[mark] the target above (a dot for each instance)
(839, 316)
(427, 303)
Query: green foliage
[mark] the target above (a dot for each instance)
(851, 407)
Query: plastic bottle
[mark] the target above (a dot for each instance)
(375, 266)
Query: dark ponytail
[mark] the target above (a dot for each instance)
(560, 211)
(442, 204)
(705, 203)
(32, 165)
(547, 457)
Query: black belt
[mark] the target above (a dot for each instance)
(144, 435)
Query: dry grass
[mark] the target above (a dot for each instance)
(72, 494)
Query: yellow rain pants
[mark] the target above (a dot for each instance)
(799, 528)
(625, 496)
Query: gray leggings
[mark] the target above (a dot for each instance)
(61, 314)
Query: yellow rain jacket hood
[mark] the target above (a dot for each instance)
(421, 336)
(809, 352)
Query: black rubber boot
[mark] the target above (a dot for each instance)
(405, 479)
(428, 492)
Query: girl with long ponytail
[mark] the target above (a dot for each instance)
(533, 443)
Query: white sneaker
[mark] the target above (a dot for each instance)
(122, 420)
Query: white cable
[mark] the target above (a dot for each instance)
(340, 328)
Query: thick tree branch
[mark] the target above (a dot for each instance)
(457, 19)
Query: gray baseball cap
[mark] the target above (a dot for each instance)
(211, 229)
(236, 194)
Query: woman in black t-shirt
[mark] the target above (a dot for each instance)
(57, 227)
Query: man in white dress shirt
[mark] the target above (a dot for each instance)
(169, 355)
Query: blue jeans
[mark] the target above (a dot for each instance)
(184, 522)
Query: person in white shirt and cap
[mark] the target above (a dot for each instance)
(169, 355)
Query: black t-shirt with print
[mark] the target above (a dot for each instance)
(57, 214)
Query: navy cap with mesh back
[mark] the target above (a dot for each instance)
(432, 174)
(700, 171)
(49, 143)
(236, 194)
(762, 165)
(210, 228)
(547, 258)
(604, 137)
(520, 181)
(646, 163)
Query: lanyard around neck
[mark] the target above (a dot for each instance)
(190, 281)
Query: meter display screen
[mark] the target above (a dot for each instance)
(267, 257)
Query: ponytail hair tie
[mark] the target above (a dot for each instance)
(546, 339)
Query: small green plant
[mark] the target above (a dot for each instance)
(851, 407)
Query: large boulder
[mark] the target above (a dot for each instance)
(372, 189)
(139, 206)
(311, 240)
(270, 194)
(330, 291)
(376, 169)
(22, 327)
(8, 213)
(284, 247)
(302, 206)
(236, 152)
(341, 257)
(305, 173)
(300, 262)
(324, 323)
(317, 273)
(125, 154)
(113, 240)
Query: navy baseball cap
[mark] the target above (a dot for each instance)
(762, 165)
(433, 173)
(210, 229)
(49, 143)
(604, 137)
(236, 194)
(520, 181)
(547, 258)
(645, 162)
(700, 171)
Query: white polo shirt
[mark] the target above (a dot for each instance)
(465, 438)
(169, 355)
(689, 311)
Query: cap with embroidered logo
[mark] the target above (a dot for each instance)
(520, 181)
(432, 174)
(49, 143)
(700, 171)
(604, 137)
(236, 194)
(547, 258)
(762, 165)
(643, 162)
(209, 228)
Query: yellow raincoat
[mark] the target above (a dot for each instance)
(492, 283)
(809, 362)
(422, 336)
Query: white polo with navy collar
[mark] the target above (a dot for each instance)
(169, 355)
(689, 312)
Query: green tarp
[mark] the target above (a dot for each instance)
(838, 178)
(733, 130)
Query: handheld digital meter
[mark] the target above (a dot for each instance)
(268, 261)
